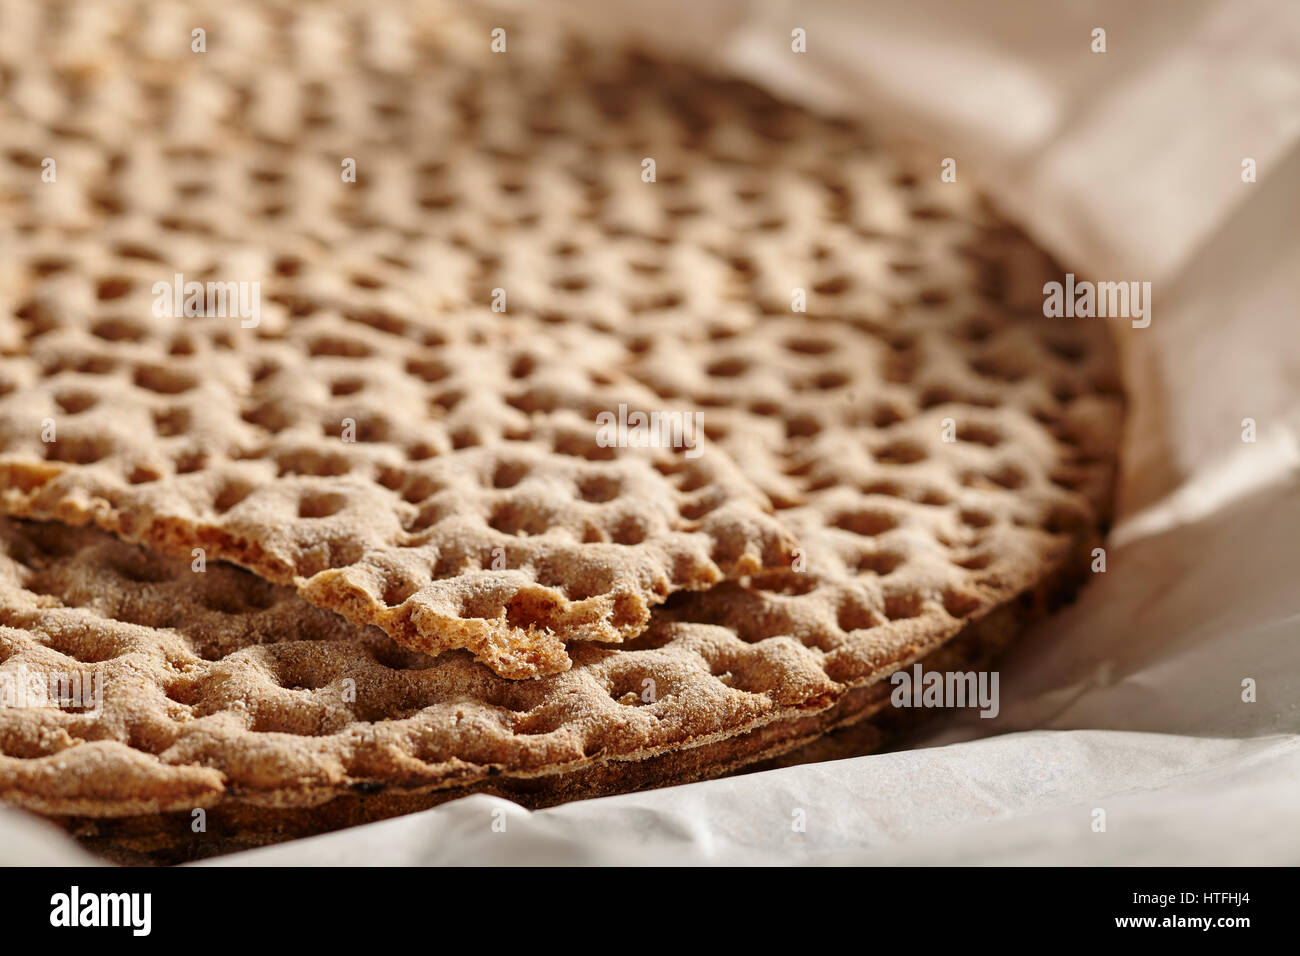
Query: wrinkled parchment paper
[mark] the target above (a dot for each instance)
(1127, 165)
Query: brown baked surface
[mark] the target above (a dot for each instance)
(680, 617)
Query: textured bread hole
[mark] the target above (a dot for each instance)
(78, 450)
(728, 367)
(583, 447)
(571, 283)
(447, 401)
(252, 595)
(852, 616)
(466, 437)
(397, 592)
(523, 366)
(85, 645)
(165, 381)
(271, 417)
(181, 224)
(134, 250)
(168, 422)
(976, 562)
(899, 607)
(437, 201)
(629, 531)
(1008, 477)
(976, 330)
(375, 319)
(695, 510)
(507, 474)
(394, 479)
(627, 688)
(786, 583)
(73, 403)
(865, 522)
(347, 386)
(189, 462)
(232, 494)
(599, 488)
(888, 488)
(288, 266)
(292, 721)
(421, 488)
(340, 346)
(90, 365)
(429, 370)
(46, 267)
(834, 286)
(934, 498)
(141, 475)
(979, 434)
(269, 176)
(112, 287)
(976, 519)
(368, 429)
(539, 722)
(110, 204)
(1002, 368)
(878, 562)
(138, 568)
(320, 505)
(298, 306)
(831, 380)
(900, 453)
(937, 395)
(310, 462)
(960, 603)
(801, 426)
(511, 519)
(885, 415)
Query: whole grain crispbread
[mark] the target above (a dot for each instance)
(149, 690)
(901, 459)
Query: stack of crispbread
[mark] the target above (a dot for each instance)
(370, 545)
